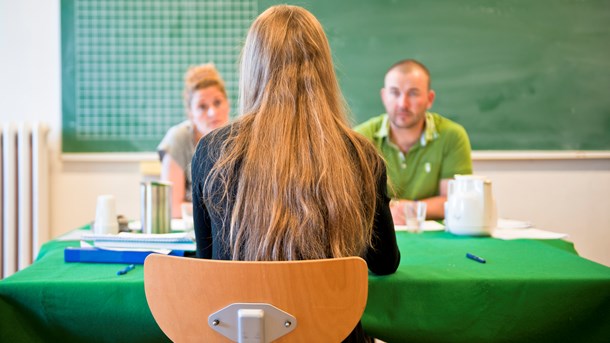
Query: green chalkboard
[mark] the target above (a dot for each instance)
(123, 63)
(519, 75)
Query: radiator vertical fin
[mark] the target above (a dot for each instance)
(24, 194)
(9, 195)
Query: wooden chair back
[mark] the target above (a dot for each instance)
(327, 297)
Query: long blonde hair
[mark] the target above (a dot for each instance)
(306, 183)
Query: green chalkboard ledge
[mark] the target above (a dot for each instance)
(147, 163)
(514, 155)
(110, 157)
(477, 155)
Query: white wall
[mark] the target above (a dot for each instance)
(557, 195)
(568, 196)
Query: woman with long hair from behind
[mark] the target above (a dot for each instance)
(289, 179)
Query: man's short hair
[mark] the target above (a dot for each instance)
(408, 65)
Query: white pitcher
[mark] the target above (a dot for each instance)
(470, 208)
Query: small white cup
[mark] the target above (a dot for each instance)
(415, 215)
(187, 215)
(105, 216)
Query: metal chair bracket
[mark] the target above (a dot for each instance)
(252, 322)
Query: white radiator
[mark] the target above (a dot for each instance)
(24, 189)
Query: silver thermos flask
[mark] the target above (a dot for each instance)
(156, 206)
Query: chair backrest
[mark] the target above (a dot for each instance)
(327, 297)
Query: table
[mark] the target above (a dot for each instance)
(527, 291)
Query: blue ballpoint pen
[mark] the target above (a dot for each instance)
(126, 269)
(475, 258)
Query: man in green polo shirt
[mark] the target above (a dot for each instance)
(423, 150)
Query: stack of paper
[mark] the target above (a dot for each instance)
(176, 225)
(517, 229)
(184, 241)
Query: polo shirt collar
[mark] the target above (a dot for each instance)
(430, 133)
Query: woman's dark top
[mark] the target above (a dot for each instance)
(210, 235)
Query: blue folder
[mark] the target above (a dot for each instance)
(96, 255)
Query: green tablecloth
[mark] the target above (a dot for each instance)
(527, 291)
(55, 301)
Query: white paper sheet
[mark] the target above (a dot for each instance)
(177, 225)
(504, 223)
(530, 233)
(428, 225)
(176, 237)
(75, 235)
(84, 244)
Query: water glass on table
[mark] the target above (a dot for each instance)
(415, 215)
